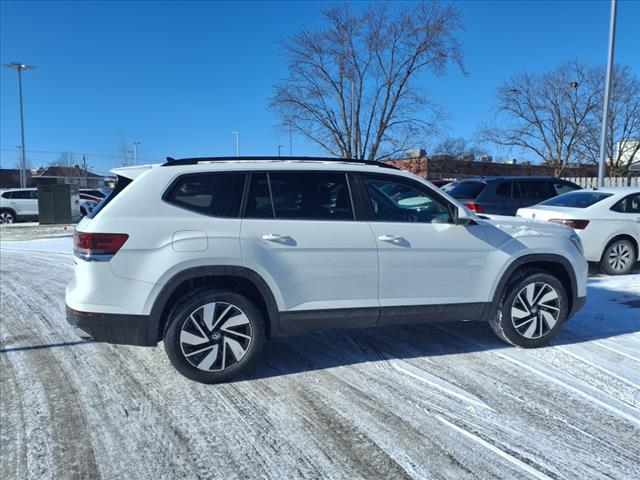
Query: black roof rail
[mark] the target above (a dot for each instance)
(194, 161)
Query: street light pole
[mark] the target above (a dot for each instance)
(237, 143)
(135, 152)
(23, 162)
(607, 93)
(279, 148)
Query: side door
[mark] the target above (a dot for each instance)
(507, 198)
(299, 232)
(23, 203)
(425, 259)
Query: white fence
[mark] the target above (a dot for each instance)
(590, 182)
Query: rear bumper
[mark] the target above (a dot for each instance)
(113, 328)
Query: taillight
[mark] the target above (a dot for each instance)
(575, 224)
(474, 207)
(99, 247)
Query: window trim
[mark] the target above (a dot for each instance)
(178, 178)
(366, 204)
(273, 206)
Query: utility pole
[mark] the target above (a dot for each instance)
(607, 94)
(237, 143)
(135, 152)
(23, 162)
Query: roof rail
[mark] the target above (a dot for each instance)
(171, 162)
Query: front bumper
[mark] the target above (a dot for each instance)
(113, 328)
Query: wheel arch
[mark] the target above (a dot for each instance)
(620, 236)
(10, 210)
(239, 279)
(551, 263)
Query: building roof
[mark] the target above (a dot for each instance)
(65, 172)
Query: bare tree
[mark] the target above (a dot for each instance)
(65, 159)
(547, 114)
(353, 86)
(622, 146)
(124, 153)
(455, 147)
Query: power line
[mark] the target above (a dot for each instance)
(102, 155)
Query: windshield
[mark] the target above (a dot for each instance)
(579, 199)
(464, 189)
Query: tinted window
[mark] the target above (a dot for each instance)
(216, 194)
(535, 190)
(396, 200)
(562, 187)
(577, 199)
(22, 194)
(311, 195)
(464, 189)
(7, 195)
(630, 204)
(259, 199)
(504, 190)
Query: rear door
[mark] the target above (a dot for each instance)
(24, 202)
(425, 259)
(300, 233)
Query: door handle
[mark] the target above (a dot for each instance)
(391, 238)
(276, 237)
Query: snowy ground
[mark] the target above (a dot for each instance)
(445, 401)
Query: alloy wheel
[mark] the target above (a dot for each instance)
(215, 336)
(6, 217)
(619, 256)
(535, 310)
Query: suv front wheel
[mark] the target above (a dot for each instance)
(214, 336)
(533, 308)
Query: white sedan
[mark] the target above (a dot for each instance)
(607, 220)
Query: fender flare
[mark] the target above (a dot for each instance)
(532, 259)
(156, 323)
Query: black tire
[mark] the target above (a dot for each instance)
(516, 316)
(7, 216)
(214, 355)
(619, 257)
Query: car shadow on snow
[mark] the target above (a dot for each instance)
(606, 315)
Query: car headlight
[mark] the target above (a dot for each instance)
(575, 239)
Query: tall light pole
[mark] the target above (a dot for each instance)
(279, 148)
(607, 93)
(237, 143)
(23, 163)
(135, 152)
(291, 139)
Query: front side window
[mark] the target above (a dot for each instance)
(311, 195)
(215, 194)
(259, 199)
(464, 189)
(397, 200)
(21, 194)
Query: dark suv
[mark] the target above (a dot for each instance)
(505, 195)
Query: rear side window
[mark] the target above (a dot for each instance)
(630, 204)
(7, 195)
(310, 196)
(508, 190)
(464, 189)
(577, 199)
(536, 190)
(21, 194)
(215, 194)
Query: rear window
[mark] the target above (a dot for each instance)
(464, 189)
(577, 199)
(215, 194)
(121, 184)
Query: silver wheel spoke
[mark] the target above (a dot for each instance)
(235, 348)
(191, 339)
(208, 312)
(209, 360)
(520, 325)
(548, 319)
(199, 351)
(532, 328)
(221, 316)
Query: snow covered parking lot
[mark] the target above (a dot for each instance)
(443, 401)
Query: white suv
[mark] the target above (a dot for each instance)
(214, 256)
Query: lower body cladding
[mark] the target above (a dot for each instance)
(145, 330)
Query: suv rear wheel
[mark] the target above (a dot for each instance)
(7, 216)
(533, 308)
(214, 336)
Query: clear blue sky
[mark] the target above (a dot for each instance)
(181, 76)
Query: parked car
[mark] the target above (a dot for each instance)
(607, 220)
(96, 192)
(21, 204)
(86, 196)
(214, 256)
(18, 204)
(505, 195)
